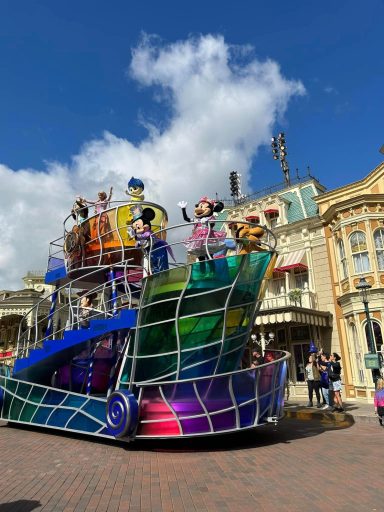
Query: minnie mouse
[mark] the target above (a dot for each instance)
(155, 248)
(204, 240)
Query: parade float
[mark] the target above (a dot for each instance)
(147, 327)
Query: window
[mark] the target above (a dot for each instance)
(278, 286)
(273, 218)
(378, 338)
(378, 238)
(359, 359)
(300, 333)
(359, 251)
(343, 260)
(300, 359)
(301, 280)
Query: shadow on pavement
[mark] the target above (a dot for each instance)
(20, 506)
(285, 431)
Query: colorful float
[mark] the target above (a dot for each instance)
(147, 327)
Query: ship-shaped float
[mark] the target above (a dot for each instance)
(137, 345)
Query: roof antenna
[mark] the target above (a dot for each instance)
(297, 173)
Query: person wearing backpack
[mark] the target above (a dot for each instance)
(334, 375)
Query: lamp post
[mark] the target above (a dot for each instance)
(235, 185)
(263, 341)
(372, 361)
(279, 152)
(363, 288)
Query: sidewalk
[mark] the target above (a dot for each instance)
(354, 412)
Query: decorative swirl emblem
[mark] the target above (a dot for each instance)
(71, 242)
(122, 413)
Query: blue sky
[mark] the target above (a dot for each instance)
(64, 76)
(178, 94)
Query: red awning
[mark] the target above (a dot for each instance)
(271, 210)
(252, 218)
(296, 259)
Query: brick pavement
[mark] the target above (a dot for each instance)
(297, 465)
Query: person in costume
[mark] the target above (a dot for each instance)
(155, 250)
(101, 204)
(135, 189)
(248, 237)
(79, 210)
(204, 241)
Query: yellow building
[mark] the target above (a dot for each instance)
(353, 218)
(298, 305)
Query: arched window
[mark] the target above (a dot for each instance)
(377, 335)
(359, 251)
(343, 260)
(379, 245)
(358, 356)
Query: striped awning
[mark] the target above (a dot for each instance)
(279, 262)
(296, 259)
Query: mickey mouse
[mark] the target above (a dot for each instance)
(204, 241)
(155, 248)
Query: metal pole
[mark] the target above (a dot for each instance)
(371, 337)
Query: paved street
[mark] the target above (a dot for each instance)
(298, 465)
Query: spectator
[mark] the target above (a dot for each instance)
(324, 379)
(334, 374)
(379, 400)
(257, 358)
(312, 376)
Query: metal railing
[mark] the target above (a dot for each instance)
(279, 187)
(307, 300)
(222, 397)
(128, 278)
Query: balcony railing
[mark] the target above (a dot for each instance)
(307, 299)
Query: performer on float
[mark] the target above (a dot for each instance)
(101, 204)
(205, 241)
(247, 236)
(79, 210)
(155, 250)
(135, 189)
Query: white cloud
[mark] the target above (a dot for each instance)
(330, 90)
(224, 104)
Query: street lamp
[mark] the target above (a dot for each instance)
(235, 184)
(372, 361)
(263, 341)
(363, 288)
(279, 152)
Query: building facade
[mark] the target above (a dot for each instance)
(298, 306)
(353, 218)
(14, 305)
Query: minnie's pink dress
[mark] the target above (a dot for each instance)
(205, 240)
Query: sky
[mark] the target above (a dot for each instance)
(178, 94)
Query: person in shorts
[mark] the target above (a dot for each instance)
(334, 375)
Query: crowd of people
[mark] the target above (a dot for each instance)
(323, 377)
